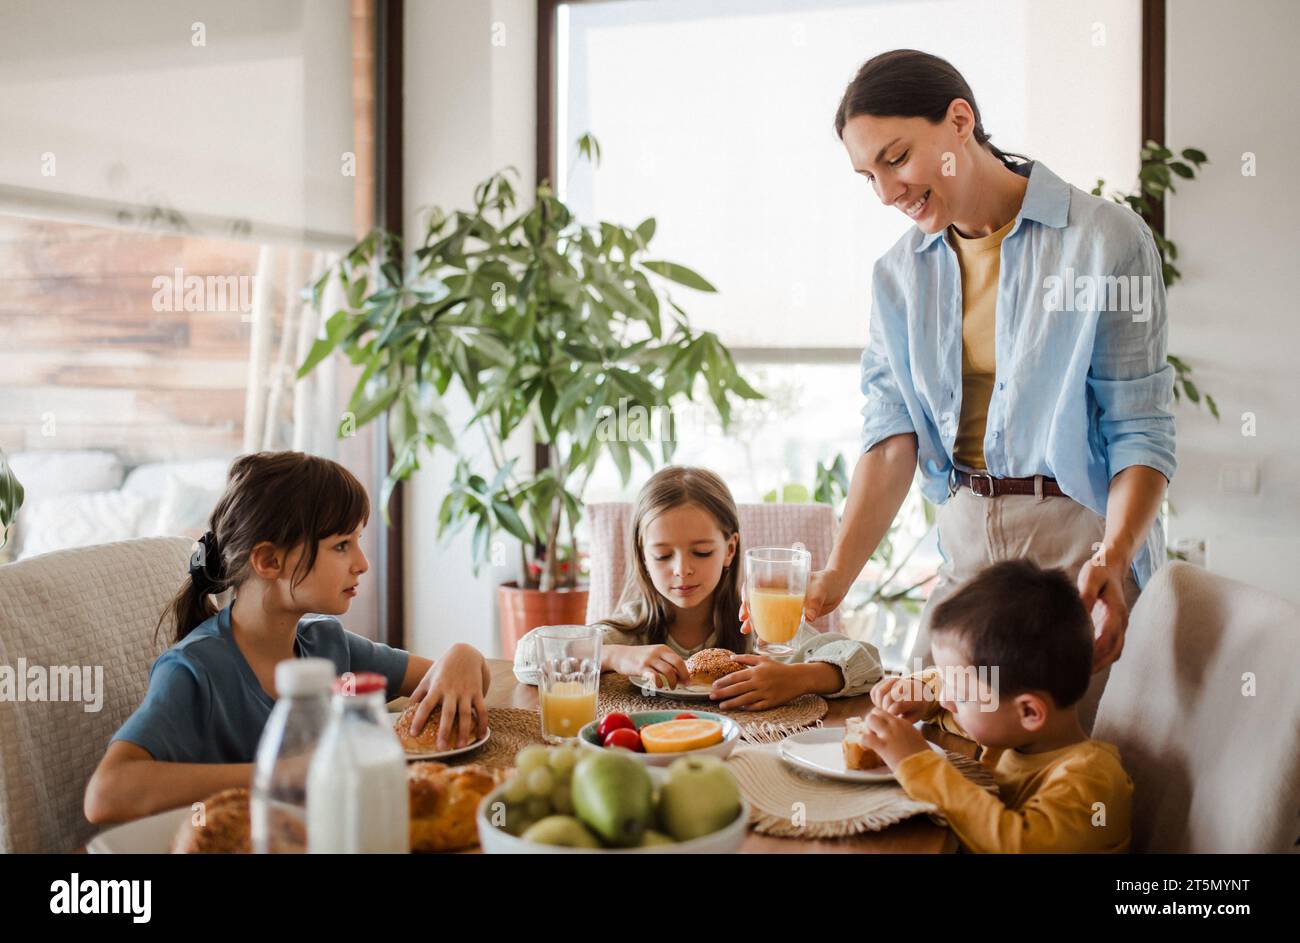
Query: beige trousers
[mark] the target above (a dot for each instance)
(1051, 531)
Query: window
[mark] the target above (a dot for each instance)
(716, 118)
(172, 175)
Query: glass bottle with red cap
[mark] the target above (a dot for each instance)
(357, 797)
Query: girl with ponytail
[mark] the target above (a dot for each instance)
(285, 538)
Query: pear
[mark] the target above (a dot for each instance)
(562, 830)
(611, 794)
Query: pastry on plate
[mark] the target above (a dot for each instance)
(857, 755)
(711, 664)
(444, 802)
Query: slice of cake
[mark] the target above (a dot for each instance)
(857, 755)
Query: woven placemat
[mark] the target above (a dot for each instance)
(787, 802)
(618, 693)
(513, 728)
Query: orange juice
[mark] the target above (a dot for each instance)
(567, 706)
(775, 614)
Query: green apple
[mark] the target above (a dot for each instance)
(561, 830)
(651, 837)
(699, 796)
(610, 793)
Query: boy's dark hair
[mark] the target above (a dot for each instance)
(1029, 622)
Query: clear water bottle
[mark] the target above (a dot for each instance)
(357, 797)
(299, 718)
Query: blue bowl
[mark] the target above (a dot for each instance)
(588, 739)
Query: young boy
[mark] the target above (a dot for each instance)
(1012, 657)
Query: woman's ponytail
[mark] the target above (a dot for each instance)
(908, 83)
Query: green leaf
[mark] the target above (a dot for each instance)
(509, 518)
(1182, 169)
(646, 231)
(319, 351)
(1214, 407)
(680, 274)
(1195, 156)
(1192, 392)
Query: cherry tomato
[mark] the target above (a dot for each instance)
(611, 722)
(685, 717)
(625, 738)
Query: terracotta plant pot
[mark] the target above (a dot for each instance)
(523, 610)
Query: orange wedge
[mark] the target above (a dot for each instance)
(678, 736)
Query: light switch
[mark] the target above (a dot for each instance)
(1239, 478)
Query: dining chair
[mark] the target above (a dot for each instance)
(761, 525)
(1205, 710)
(72, 615)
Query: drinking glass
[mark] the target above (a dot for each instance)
(776, 580)
(570, 682)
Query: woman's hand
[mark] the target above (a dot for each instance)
(457, 681)
(826, 590)
(766, 683)
(657, 664)
(905, 698)
(1104, 583)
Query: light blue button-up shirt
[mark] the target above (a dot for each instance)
(1082, 387)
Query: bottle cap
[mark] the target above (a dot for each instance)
(304, 677)
(367, 682)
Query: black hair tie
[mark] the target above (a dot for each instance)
(205, 562)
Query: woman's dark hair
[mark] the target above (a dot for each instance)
(286, 498)
(908, 83)
(1028, 622)
(641, 607)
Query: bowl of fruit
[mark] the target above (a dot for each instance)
(563, 800)
(657, 738)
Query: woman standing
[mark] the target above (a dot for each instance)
(1016, 352)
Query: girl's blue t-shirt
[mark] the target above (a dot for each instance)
(205, 704)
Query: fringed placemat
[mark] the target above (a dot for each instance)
(513, 728)
(618, 693)
(787, 802)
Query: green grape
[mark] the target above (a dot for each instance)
(517, 790)
(538, 807)
(531, 758)
(518, 820)
(562, 799)
(563, 760)
(541, 781)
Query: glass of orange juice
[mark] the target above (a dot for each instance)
(776, 579)
(570, 682)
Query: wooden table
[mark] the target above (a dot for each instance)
(917, 835)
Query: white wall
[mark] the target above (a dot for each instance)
(1231, 89)
(470, 110)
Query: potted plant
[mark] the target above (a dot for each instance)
(11, 498)
(541, 320)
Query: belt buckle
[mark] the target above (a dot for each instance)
(971, 485)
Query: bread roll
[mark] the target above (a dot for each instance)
(709, 665)
(223, 826)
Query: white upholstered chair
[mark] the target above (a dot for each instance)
(92, 607)
(1205, 709)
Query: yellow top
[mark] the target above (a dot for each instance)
(980, 262)
(1075, 799)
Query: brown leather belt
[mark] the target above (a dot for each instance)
(986, 486)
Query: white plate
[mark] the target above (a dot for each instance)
(151, 835)
(819, 751)
(436, 755)
(694, 692)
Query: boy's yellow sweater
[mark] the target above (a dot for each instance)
(1075, 799)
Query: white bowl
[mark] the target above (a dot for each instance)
(730, 734)
(496, 841)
